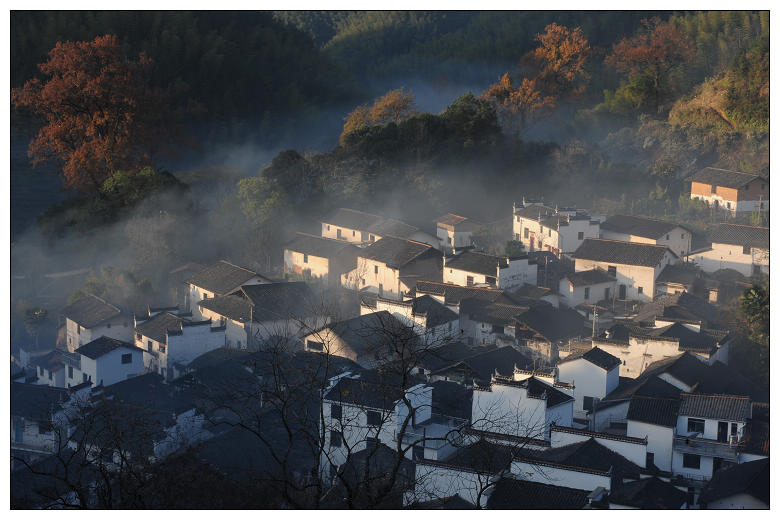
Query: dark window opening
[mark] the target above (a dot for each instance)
(649, 462)
(606, 293)
(587, 292)
(373, 418)
(335, 411)
(525, 233)
(315, 345)
(376, 269)
(418, 453)
(497, 329)
(745, 250)
(336, 440)
(161, 348)
(127, 359)
(640, 290)
(469, 280)
(588, 403)
(305, 259)
(580, 235)
(490, 280)
(612, 270)
(696, 426)
(70, 372)
(691, 461)
(149, 345)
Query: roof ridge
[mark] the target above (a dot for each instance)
(628, 243)
(234, 265)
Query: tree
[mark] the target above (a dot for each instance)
(754, 305)
(517, 106)
(560, 60)
(392, 107)
(100, 113)
(654, 52)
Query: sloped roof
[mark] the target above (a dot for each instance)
(686, 368)
(691, 340)
(482, 457)
(648, 493)
(372, 334)
(363, 392)
(535, 211)
(681, 306)
(36, 402)
(453, 294)
(477, 262)
(721, 177)
(102, 346)
(638, 226)
(281, 300)
(596, 356)
(221, 277)
(483, 365)
(662, 412)
(537, 388)
(359, 220)
(510, 493)
(589, 277)
(231, 306)
(457, 222)
(494, 313)
(553, 324)
(450, 502)
(319, 246)
(649, 385)
(436, 313)
(395, 252)
(729, 407)
(737, 234)
(619, 252)
(447, 355)
(587, 455)
(756, 437)
(91, 311)
(751, 478)
(722, 379)
(679, 273)
(159, 325)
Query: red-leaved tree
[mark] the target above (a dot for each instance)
(101, 115)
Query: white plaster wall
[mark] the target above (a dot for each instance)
(120, 328)
(703, 473)
(355, 430)
(373, 273)
(574, 296)
(193, 342)
(616, 413)
(561, 414)
(432, 482)
(636, 453)
(559, 476)
(109, 368)
(659, 441)
(639, 353)
(728, 256)
(517, 273)
(459, 277)
(508, 410)
(587, 378)
(316, 265)
(569, 240)
(631, 276)
(347, 234)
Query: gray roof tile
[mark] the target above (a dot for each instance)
(619, 252)
(222, 277)
(721, 177)
(91, 311)
(638, 226)
(729, 407)
(740, 235)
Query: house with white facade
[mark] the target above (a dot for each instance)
(91, 317)
(106, 361)
(644, 230)
(365, 228)
(477, 268)
(742, 248)
(745, 486)
(51, 369)
(269, 312)
(391, 267)
(593, 373)
(430, 319)
(35, 410)
(731, 191)
(635, 266)
(171, 342)
(319, 257)
(219, 279)
(589, 287)
(655, 419)
(454, 232)
(451, 294)
(557, 230)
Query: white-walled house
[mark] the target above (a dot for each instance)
(454, 232)
(635, 266)
(643, 230)
(730, 190)
(35, 412)
(742, 248)
(365, 228)
(655, 419)
(172, 342)
(391, 267)
(632, 448)
(218, 279)
(319, 257)
(106, 361)
(591, 286)
(91, 317)
(544, 228)
(429, 318)
(594, 374)
(501, 272)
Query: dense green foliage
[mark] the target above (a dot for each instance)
(747, 97)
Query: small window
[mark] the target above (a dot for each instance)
(728, 205)
(497, 329)
(44, 428)
(606, 293)
(336, 439)
(649, 460)
(640, 290)
(373, 418)
(315, 345)
(108, 325)
(517, 218)
(525, 233)
(328, 226)
(469, 280)
(338, 233)
(78, 328)
(381, 290)
(682, 235)
(371, 238)
(587, 292)
(418, 453)
(490, 279)
(376, 269)
(161, 348)
(733, 428)
(745, 250)
(587, 403)
(70, 372)
(624, 362)
(40, 371)
(713, 189)
(549, 232)
(612, 270)
(138, 336)
(305, 259)
(127, 359)
(696, 426)
(335, 411)
(84, 378)
(580, 235)
(353, 232)
(691, 461)
(51, 375)
(149, 345)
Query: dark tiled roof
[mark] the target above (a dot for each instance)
(737, 234)
(649, 385)
(686, 368)
(619, 252)
(319, 246)
(494, 313)
(395, 252)
(679, 273)
(553, 324)
(535, 211)
(281, 300)
(150, 391)
(596, 356)
(638, 226)
(91, 311)
(435, 312)
(392, 227)
(102, 346)
(587, 455)
(158, 327)
(451, 399)
(222, 277)
(352, 219)
(756, 437)
(730, 407)
(448, 355)
(722, 379)
(453, 294)
(36, 402)
(482, 366)
(751, 478)
(451, 502)
(662, 412)
(231, 306)
(373, 334)
(477, 262)
(682, 306)
(457, 222)
(589, 277)
(598, 435)
(648, 493)
(721, 177)
(481, 457)
(364, 393)
(537, 388)
(52, 361)
(689, 340)
(510, 493)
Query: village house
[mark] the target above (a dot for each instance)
(648, 493)
(451, 294)
(256, 314)
(364, 228)
(50, 368)
(587, 287)
(742, 248)
(454, 232)
(91, 317)
(106, 361)
(544, 228)
(430, 319)
(474, 365)
(219, 279)
(543, 329)
(679, 278)
(655, 419)
(475, 267)
(392, 266)
(730, 190)
(172, 341)
(319, 257)
(635, 266)
(484, 322)
(643, 230)
(593, 373)
(684, 307)
(513, 493)
(745, 486)
(35, 412)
